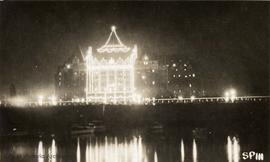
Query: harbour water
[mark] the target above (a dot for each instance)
(132, 146)
(171, 133)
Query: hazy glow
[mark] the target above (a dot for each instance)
(227, 96)
(233, 94)
(180, 98)
(40, 100)
(192, 98)
(194, 151)
(230, 94)
(18, 101)
(182, 151)
(68, 66)
(53, 100)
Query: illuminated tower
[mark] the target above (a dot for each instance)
(110, 72)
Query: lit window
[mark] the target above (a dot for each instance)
(193, 75)
(185, 76)
(68, 66)
(185, 69)
(143, 77)
(179, 75)
(174, 65)
(145, 57)
(185, 64)
(153, 82)
(174, 76)
(176, 69)
(153, 70)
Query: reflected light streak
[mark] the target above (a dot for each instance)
(78, 151)
(40, 152)
(194, 151)
(229, 149)
(233, 149)
(87, 153)
(182, 151)
(53, 152)
(155, 157)
(113, 150)
(236, 150)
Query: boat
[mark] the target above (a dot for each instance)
(99, 126)
(79, 129)
(156, 127)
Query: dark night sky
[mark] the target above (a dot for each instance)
(226, 42)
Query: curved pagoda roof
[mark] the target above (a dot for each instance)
(113, 44)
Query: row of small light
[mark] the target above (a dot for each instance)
(230, 95)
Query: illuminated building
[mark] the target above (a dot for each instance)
(182, 79)
(110, 72)
(70, 79)
(151, 77)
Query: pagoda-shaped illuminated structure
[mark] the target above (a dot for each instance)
(110, 72)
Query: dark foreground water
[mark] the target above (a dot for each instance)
(134, 146)
(172, 133)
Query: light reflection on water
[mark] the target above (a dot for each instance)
(194, 151)
(124, 149)
(182, 151)
(40, 152)
(114, 151)
(233, 149)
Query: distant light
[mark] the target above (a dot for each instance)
(192, 98)
(174, 65)
(143, 77)
(53, 100)
(227, 95)
(145, 58)
(180, 98)
(193, 75)
(68, 66)
(113, 28)
(18, 101)
(40, 100)
(230, 95)
(153, 82)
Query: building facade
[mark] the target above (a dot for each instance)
(151, 78)
(182, 79)
(70, 79)
(110, 72)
